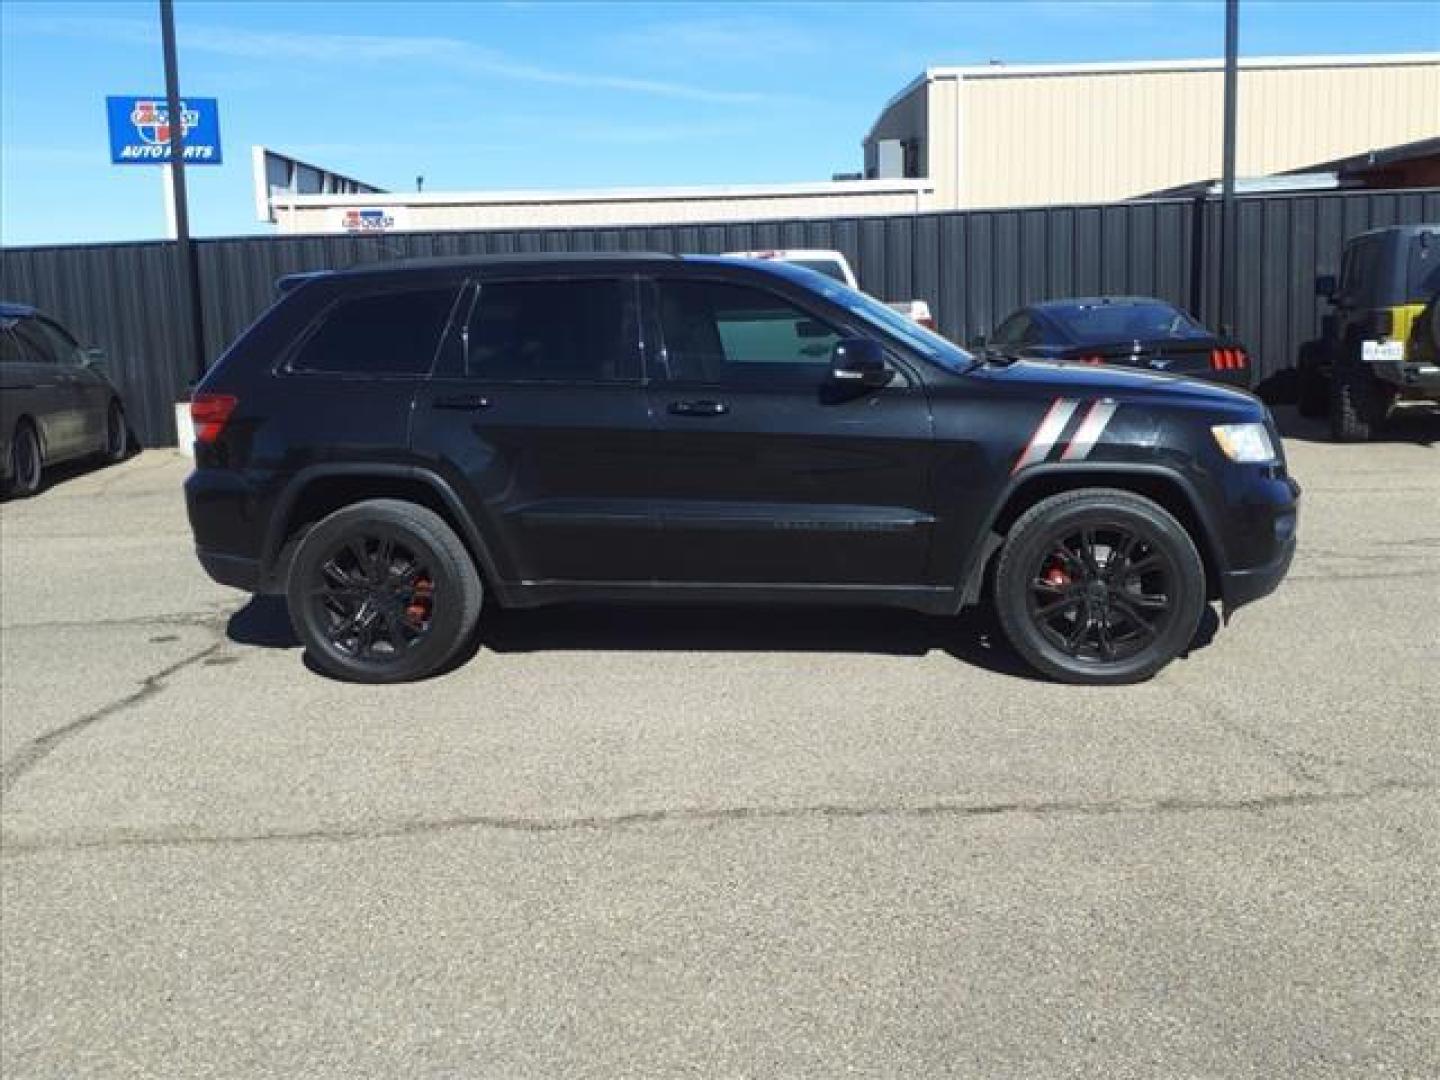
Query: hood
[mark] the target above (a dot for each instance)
(1087, 380)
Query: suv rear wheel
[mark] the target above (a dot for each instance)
(383, 591)
(1099, 586)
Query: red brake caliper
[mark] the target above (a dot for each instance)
(1057, 576)
(421, 601)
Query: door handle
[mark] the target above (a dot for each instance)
(464, 402)
(698, 408)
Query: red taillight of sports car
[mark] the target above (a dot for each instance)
(1228, 360)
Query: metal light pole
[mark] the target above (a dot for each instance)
(1228, 231)
(187, 271)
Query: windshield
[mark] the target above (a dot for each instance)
(929, 344)
(1124, 320)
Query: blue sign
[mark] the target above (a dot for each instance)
(140, 130)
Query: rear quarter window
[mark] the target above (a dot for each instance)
(396, 332)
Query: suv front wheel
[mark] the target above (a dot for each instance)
(1099, 586)
(383, 591)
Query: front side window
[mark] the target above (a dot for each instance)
(389, 333)
(552, 331)
(40, 345)
(10, 350)
(715, 332)
(58, 342)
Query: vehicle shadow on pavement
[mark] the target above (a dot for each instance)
(973, 638)
(58, 475)
(263, 622)
(1419, 425)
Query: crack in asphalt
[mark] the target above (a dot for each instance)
(219, 612)
(37, 749)
(120, 839)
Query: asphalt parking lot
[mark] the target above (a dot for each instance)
(718, 843)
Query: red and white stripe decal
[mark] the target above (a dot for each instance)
(1089, 431)
(1045, 435)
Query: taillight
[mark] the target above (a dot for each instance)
(209, 414)
(1092, 359)
(1228, 359)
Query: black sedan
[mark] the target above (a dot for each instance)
(55, 402)
(1131, 331)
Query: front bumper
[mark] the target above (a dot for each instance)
(1240, 587)
(1270, 527)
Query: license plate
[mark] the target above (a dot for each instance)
(1382, 352)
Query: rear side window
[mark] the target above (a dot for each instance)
(720, 333)
(389, 333)
(552, 331)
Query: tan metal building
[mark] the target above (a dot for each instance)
(1023, 135)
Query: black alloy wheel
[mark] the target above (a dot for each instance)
(26, 462)
(375, 597)
(383, 591)
(1099, 586)
(1102, 593)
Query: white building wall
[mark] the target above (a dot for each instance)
(559, 210)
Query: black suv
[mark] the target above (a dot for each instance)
(388, 445)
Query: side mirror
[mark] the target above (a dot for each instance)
(94, 358)
(860, 362)
(1325, 286)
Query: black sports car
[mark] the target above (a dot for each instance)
(1131, 331)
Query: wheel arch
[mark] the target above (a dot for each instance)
(1165, 487)
(320, 490)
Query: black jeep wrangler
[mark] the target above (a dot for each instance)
(388, 446)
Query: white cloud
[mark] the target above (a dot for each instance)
(452, 54)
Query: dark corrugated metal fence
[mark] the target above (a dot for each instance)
(972, 267)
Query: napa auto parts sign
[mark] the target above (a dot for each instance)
(140, 130)
(371, 219)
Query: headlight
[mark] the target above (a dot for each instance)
(1246, 443)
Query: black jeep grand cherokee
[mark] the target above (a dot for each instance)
(389, 445)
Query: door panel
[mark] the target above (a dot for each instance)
(91, 392)
(767, 471)
(541, 424)
(49, 399)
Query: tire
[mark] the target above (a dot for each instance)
(26, 462)
(1144, 601)
(1313, 396)
(1358, 404)
(117, 434)
(383, 591)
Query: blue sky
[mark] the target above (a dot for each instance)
(537, 95)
